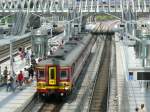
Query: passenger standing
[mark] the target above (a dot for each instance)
(33, 62)
(40, 59)
(62, 42)
(27, 57)
(51, 52)
(26, 76)
(31, 72)
(5, 73)
(142, 108)
(21, 53)
(32, 55)
(10, 82)
(20, 78)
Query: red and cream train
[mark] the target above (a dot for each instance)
(59, 72)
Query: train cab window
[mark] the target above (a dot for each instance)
(52, 73)
(63, 74)
(41, 74)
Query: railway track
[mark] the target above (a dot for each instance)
(99, 98)
(26, 43)
(51, 107)
(5, 50)
(56, 104)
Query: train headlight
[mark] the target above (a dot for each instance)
(62, 94)
(66, 88)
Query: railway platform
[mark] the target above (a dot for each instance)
(9, 39)
(131, 93)
(18, 100)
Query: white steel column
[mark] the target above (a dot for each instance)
(97, 6)
(11, 58)
(115, 5)
(80, 23)
(91, 5)
(51, 6)
(108, 5)
(122, 10)
(1, 7)
(69, 30)
(144, 7)
(139, 8)
(127, 4)
(133, 4)
(80, 6)
(63, 4)
(86, 5)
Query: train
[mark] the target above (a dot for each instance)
(59, 72)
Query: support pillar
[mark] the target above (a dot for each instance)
(91, 5)
(108, 5)
(144, 5)
(139, 5)
(80, 23)
(97, 6)
(66, 29)
(69, 30)
(11, 58)
(122, 17)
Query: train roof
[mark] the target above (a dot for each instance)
(68, 53)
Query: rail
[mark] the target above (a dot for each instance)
(109, 79)
(100, 90)
(5, 53)
(94, 72)
(95, 79)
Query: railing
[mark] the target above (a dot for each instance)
(61, 5)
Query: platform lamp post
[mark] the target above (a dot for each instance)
(51, 32)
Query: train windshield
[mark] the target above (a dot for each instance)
(63, 75)
(41, 74)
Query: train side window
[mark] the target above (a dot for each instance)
(40, 74)
(73, 67)
(63, 74)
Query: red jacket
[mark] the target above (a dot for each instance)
(20, 77)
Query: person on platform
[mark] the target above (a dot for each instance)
(26, 76)
(142, 108)
(10, 82)
(31, 72)
(21, 53)
(20, 78)
(27, 58)
(5, 73)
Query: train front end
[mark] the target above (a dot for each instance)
(53, 79)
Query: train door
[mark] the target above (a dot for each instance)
(52, 75)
